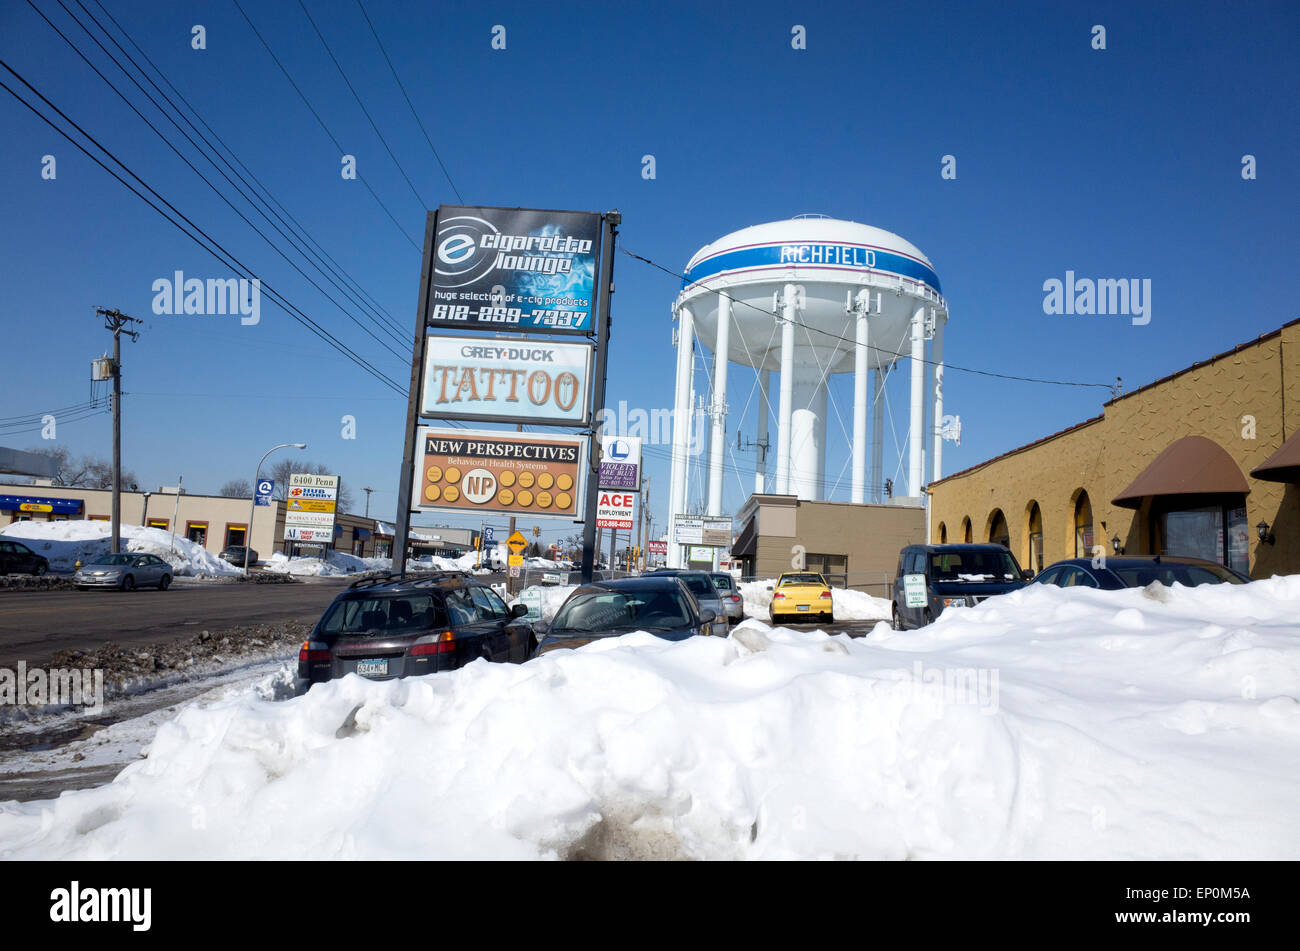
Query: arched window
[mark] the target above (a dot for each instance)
(965, 530)
(1083, 536)
(943, 534)
(1035, 537)
(998, 532)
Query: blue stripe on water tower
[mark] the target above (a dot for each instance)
(819, 254)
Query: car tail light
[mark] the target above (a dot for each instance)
(824, 594)
(312, 652)
(735, 597)
(445, 644)
(778, 596)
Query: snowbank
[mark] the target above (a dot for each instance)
(334, 564)
(65, 543)
(848, 605)
(1044, 723)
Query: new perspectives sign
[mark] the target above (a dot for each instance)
(463, 470)
(530, 380)
(310, 508)
(516, 269)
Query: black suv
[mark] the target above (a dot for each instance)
(383, 628)
(933, 577)
(16, 557)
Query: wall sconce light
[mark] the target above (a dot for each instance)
(1264, 534)
(1115, 544)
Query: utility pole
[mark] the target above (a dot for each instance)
(367, 491)
(116, 321)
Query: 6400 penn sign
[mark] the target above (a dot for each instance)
(514, 269)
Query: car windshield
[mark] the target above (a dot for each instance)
(407, 614)
(808, 578)
(612, 610)
(114, 560)
(1139, 576)
(722, 582)
(973, 566)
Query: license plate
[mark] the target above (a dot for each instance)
(372, 668)
(804, 607)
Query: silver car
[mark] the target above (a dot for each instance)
(731, 599)
(125, 571)
(700, 585)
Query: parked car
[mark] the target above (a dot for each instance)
(235, 555)
(801, 594)
(661, 605)
(17, 558)
(1137, 572)
(125, 571)
(384, 627)
(701, 587)
(945, 576)
(730, 594)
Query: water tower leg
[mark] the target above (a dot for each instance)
(878, 432)
(764, 408)
(681, 431)
(860, 410)
(916, 424)
(808, 434)
(936, 351)
(787, 392)
(718, 409)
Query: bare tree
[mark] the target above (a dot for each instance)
(236, 489)
(87, 472)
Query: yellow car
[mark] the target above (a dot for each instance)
(800, 594)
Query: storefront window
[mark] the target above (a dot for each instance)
(1213, 532)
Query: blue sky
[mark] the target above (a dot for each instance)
(1117, 163)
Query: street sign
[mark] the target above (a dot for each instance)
(616, 510)
(487, 533)
(702, 530)
(310, 507)
(515, 561)
(657, 547)
(517, 544)
(265, 489)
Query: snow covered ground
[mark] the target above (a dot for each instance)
(64, 543)
(334, 564)
(848, 605)
(1044, 723)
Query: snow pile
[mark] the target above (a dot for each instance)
(1044, 723)
(66, 543)
(334, 564)
(464, 562)
(848, 605)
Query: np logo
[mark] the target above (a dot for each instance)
(462, 259)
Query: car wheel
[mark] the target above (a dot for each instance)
(927, 617)
(830, 618)
(128, 583)
(164, 582)
(41, 569)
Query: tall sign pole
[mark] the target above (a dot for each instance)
(609, 231)
(406, 481)
(116, 321)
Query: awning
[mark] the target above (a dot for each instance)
(361, 533)
(1283, 465)
(32, 503)
(1193, 465)
(747, 543)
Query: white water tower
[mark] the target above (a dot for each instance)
(809, 297)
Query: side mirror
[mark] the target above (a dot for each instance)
(769, 587)
(1027, 574)
(708, 617)
(519, 610)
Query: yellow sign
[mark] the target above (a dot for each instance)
(35, 507)
(515, 561)
(517, 543)
(311, 505)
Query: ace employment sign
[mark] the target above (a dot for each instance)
(310, 507)
(616, 510)
(463, 470)
(531, 380)
(514, 269)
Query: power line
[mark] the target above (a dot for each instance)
(386, 317)
(212, 246)
(196, 171)
(410, 105)
(896, 354)
(361, 178)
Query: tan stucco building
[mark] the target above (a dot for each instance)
(855, 546)
(1191, 464)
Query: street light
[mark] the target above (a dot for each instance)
(252, 504)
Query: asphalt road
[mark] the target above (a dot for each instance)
(35, 624)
